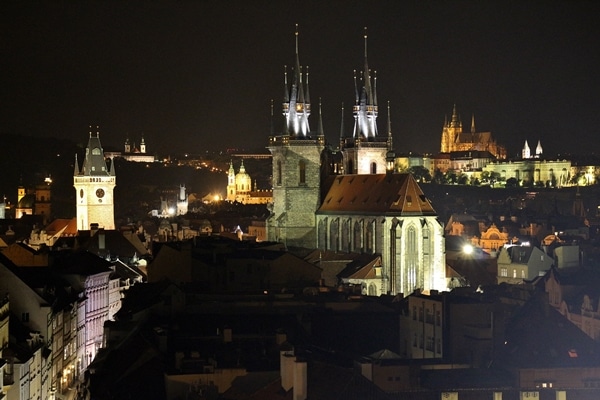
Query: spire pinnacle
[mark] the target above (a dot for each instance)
(320, 127)
(342, 123)
(365, 36)
(389, 121)
(296, 34)
(473, 123)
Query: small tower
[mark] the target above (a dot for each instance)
(94, 186)
(43, 200)
(231, 183)
(182, 201)
(143, 145)
(127, 145)
(538, 150)
(526, 152)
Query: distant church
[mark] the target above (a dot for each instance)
(94, 183)
(241, 190)
(131, 152)
(365, 209)
(454, 138)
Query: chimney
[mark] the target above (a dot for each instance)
(300, 380)
(101, 239)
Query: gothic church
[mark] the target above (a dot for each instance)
(367, 208)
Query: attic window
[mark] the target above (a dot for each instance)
(573, 353)
(340, 200)
(409, 200)
(423, 198)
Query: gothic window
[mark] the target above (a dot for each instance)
(279, 172)
(411, 260)
(357, 236)
(302, 170)
(345, 245)
(333, 234)
(350, 167)
(426, 242)
(372, 290)
(96, 151)
(370, 237)
(373, 167)
(323, 234)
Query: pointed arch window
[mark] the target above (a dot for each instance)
(302, 171)
(279, 172)
(373, 167)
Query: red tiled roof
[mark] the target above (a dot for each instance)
(396, 194)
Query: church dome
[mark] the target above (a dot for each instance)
(243, 182)
(27, 201)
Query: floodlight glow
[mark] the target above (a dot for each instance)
(468, 249)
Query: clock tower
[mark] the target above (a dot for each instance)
(94, 185)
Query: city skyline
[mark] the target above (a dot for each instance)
(196, 76)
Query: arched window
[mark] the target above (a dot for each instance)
(279, 172)
(302, 170)
(373, 167)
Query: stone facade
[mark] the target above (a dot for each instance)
(296, 190)
(533, 171)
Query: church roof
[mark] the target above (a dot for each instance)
(393, 194)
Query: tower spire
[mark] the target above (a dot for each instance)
(342, 123)
(320, 130)
(454, 122)
(296, 102)
(473, 123)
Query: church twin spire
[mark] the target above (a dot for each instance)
(296, 100)
(365, 108)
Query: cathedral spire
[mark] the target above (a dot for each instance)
(365, 110)
(296, 103)
(455, 121)
(473, 124)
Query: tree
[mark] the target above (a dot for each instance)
(420, 173)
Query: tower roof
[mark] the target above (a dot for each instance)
(94, 163)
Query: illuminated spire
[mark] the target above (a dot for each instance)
(342, 123)
(296, 103)
(365, 110)
(473, 124)
(286, 93)
(454, 123)
(320, 127)
(389, 120)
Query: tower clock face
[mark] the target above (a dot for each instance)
(100, 193)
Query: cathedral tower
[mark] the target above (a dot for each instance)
(296, 167)
(451, 132)
(94, 185)
(365, 152)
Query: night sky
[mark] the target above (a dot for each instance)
(193, 76)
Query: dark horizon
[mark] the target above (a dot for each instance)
(198, 76)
